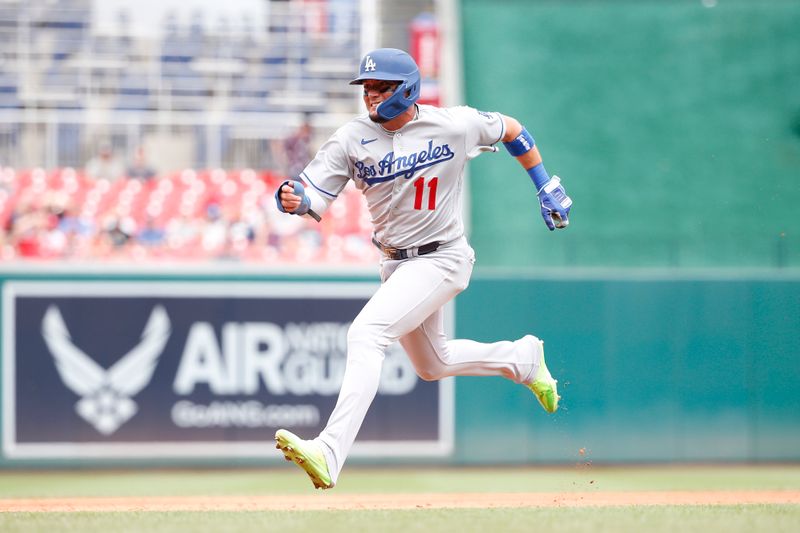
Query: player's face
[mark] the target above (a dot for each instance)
(375, 92)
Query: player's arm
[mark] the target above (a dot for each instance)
(553, 199)
(312, 197)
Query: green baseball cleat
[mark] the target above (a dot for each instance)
(545, 387)
(307, 455)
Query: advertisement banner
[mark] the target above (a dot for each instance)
(196, 369)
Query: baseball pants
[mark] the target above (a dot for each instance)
(409, 307)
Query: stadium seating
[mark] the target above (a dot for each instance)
(185, 215)
(91, 81)
(8, 91)
(75, 63)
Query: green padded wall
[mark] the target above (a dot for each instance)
(650, 369)
(676, 129)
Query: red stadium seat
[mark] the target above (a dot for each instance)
(185, 199)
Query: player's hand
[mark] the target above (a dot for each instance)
(291, 198)
(555, 204)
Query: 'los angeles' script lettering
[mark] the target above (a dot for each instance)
(405, 166)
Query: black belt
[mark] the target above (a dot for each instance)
(396, 253)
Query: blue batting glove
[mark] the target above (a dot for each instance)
(299, 190)
(555, 204)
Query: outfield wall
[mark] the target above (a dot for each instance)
(653, 366)
(675, 126)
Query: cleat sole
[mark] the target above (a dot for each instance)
(312, 465)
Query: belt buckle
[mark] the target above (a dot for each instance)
(390, 252)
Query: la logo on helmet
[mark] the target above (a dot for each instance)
(369, 65)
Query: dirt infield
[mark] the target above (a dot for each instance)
(333, 501)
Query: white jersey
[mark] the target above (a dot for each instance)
(412, 178)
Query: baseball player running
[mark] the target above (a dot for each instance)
(408, 160)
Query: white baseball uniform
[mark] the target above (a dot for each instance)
(412, 180)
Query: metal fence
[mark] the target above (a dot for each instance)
(171, 140)
(199, 84)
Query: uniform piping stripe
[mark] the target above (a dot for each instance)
(502, 129)
(305, 176)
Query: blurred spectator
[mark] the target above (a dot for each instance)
(77, 230)
(151, 235)
(34, 227)
(182, 233)
(117, 231)
(241, 234)
(25, 228)
(139, 168)
(215, 231)
(282, 229)
(297, 148)
(105, 165)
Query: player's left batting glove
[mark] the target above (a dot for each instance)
(555, 204)
(299, 190)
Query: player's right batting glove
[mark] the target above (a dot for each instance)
(555, 204)
(299, 190)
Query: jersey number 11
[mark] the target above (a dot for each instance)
(419, 185)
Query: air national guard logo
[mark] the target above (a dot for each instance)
(152, 369)
(106, 394)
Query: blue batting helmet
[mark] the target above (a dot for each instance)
(391, 64)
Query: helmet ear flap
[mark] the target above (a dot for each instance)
(411, 90)
(403, 98)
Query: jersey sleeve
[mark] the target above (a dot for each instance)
(482, 128)
(330, 169)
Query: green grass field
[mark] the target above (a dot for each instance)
(582, 478)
